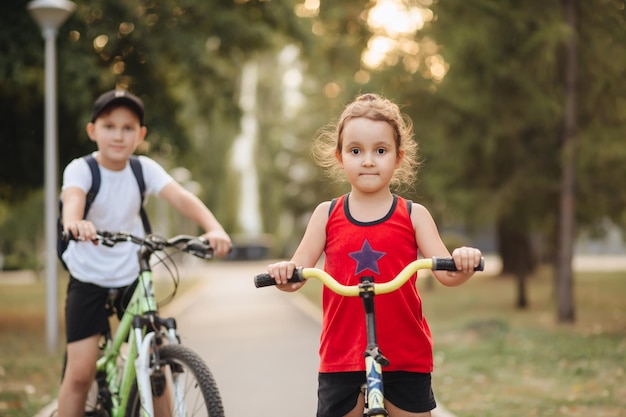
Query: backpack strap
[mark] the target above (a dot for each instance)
(409, 206)
(95, 182)
(89, 198)
(135, 165)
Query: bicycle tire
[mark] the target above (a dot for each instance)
(201, 394)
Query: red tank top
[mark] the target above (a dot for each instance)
(379, 249)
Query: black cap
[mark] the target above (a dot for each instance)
(118, 96)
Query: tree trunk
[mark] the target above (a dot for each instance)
(522, 293)
(564, 274)
(516, 252)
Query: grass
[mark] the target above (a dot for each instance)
(493, 360)
(29, 374)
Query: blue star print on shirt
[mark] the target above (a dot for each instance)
(366, 258)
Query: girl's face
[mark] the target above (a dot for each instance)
(368, 154)
(117, 133)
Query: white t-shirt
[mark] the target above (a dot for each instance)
(115, 209)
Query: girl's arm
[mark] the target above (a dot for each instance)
(194, 209)
(308, 252)
(430, 244)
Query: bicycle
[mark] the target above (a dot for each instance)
(372, 389)
(155, 374)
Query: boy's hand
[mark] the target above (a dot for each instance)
(219, 241)
(82, 230)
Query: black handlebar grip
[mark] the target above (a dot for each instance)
(265, 280)
(447, 264)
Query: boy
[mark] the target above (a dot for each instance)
(117, 128)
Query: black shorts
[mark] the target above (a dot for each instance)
(86, 312)
(338, 392)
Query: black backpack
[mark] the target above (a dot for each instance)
(91, 195)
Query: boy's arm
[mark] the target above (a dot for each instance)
(194, 209)
(74, 199)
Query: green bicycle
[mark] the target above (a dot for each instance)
(374, 360)
(143, 370)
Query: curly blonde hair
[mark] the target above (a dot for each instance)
(329, 139)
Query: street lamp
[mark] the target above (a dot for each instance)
(50, 15)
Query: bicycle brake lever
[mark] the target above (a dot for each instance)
(107, 241)
(199, 247)
(106, 238)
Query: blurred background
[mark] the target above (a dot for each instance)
(519, 109)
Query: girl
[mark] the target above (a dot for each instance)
(372, 232)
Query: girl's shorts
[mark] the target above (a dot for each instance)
(87, 311)
(338, 392)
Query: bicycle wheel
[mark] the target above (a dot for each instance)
(184, 387)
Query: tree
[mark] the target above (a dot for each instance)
(494, 112)
(564, 274)
(503, 103)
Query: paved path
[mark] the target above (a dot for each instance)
(261, 349)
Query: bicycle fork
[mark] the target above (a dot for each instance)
(147, 362)
(374, 359)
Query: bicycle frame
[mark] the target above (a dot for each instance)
(141, 317)
(140, 310)
(374, 359)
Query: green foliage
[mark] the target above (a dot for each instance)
(601, 155)
(21, 234)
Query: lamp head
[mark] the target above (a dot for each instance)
(50, 14)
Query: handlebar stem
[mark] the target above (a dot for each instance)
(144, 254)
(366, 292)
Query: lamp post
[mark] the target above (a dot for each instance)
(50, 15)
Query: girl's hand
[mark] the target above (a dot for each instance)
(281, 272)
(466, 259)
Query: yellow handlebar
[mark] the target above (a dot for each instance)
(381, 288)
(300, 274)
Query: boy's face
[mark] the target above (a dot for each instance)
(117, 134)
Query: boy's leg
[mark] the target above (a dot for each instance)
(85, 320)
(80, 372)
